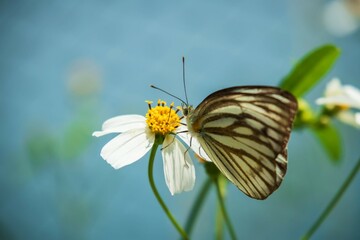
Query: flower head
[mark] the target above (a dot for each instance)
(138, 134)
(339, 99)
(162, 119)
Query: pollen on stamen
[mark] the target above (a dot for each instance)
(149, 103)
(171, 107)
(343, 107)
(162, 119)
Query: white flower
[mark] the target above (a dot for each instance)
(341, 98)
(340, 17)
(137, 138)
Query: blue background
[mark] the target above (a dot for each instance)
(67, 66)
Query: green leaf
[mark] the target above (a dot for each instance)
(330, 140)
(309, 70)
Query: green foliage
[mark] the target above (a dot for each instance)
(212, 171)
(76, 138)
(330, 140)
(305, 115)
(41, 146)
(304, 76)
(44, 147)
(320, 125)
(309, 70)
(220, 221)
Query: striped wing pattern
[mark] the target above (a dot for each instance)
(244, 131)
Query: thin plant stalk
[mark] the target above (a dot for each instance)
(219, 223)
(157, 195)
(223, 210)
(333, 202)
(195, 209)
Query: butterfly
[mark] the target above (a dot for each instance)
(245, 131)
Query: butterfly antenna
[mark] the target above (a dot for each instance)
(184, 82)
(168, 93)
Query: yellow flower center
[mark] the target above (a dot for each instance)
(162, 119)
(343, 107)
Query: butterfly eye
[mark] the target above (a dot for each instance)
(184, 109)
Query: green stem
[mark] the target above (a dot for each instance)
(223, 209)
(219, 223)
(195, 209)
(156, 193)
(333, 202)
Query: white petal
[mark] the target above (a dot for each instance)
(357, 118)
(337, 94)
(121, 124)
(194, 144)
(353, 94)
(333, 88)
(337, 100)
(127, 147)
(349, 118)
(179, 170)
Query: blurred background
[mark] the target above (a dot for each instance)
(67, 66)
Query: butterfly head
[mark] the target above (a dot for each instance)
(186, 109)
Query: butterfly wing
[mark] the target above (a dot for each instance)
(244, 131)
